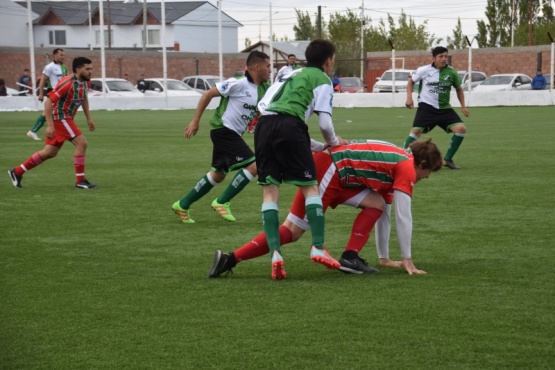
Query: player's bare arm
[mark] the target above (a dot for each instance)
(192, 129)
(460, 96)
(409, 103)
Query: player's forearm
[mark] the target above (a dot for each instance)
(460, 96)
(383, 230)
(326, 127)
(403, 220)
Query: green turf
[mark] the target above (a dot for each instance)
(110, 279)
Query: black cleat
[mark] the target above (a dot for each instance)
(85, 184)
(356, 266)
(16, 180)
(451, 165)
(223, 262)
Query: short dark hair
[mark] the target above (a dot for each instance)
(318, 51)
(256, 57)
(291, 55)
(427, 154)
(439, 50)
(56, 51)
(80, 62)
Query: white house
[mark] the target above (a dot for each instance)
(14, 30)
(191, 26)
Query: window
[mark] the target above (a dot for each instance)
(152, 37)
(97, 37)
(57, 37)
(190, 82)
(478, 77)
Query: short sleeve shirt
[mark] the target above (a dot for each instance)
(300, 93)
(435, 85)
(55, 72)
(238, 103)
(377, 165)
(67, 97)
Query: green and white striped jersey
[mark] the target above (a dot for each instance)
(435, 85)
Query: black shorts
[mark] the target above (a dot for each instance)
(282, 147)
(230, 152)
(428, 117)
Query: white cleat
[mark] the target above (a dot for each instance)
(32, 135)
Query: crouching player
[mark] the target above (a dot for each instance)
(363, 174)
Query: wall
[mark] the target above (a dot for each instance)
(520, 59)
(179, 64)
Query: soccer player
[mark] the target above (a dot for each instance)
(434, 109)
(51, 75)
(61, 104)
(288, 68)
(367, 175)
(283, 147)
(230, 152)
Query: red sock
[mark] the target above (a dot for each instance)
(259, 245)
(79, 163)
(362, 227)
(31, 162)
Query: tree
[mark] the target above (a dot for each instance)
(304, 30)
(344, 32)
(409, 36)
(458, 41)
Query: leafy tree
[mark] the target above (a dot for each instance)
(409, 36)
(458, 41)
(344, 32)
(304, 30)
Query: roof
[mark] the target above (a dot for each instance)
(122, 13)
(283, 48)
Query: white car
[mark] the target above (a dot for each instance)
(201, 83)
(505, 82)
(477, 78)
(155, 87)
(384, 84)
(114, 87)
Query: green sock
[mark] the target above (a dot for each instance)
(241, 179)
(315, 216)
(38, 124)
(412, 137)
(202, 187)
(454, 145)
(270, 220)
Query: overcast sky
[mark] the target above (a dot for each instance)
(441, 14)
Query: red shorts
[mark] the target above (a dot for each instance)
(65, 129)
(330, 190)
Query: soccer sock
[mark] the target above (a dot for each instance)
(259, 245)
(79, 164)
(240, 180)
(203, 186)
(362, 227)
(315, 216)
(412, 137)
(38, 123)
(31, 162)
(454, 144)
(270, 221)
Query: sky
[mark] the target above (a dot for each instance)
(441, 14)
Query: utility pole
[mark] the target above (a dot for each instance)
(362, 43)
(530, 23)
(144, 25)
(109, 28)
(513, 24)
(319, 22)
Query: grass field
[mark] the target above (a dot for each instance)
(110, 279)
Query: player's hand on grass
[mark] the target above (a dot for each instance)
(191, 130)
(411, 269)
(389, 263)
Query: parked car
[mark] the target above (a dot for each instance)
(505, 82)
(384, 84)
(477, 78)
(114, 87)
(201, 83)
(351, 85)
(155, 86)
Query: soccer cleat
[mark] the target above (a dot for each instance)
(356, 266)
(223, 210)
(323, 257)
(278, 271)
(182, 213)
(16, 180)
(223, 262)
(451, 165)
(33, 135)
(85, 184)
